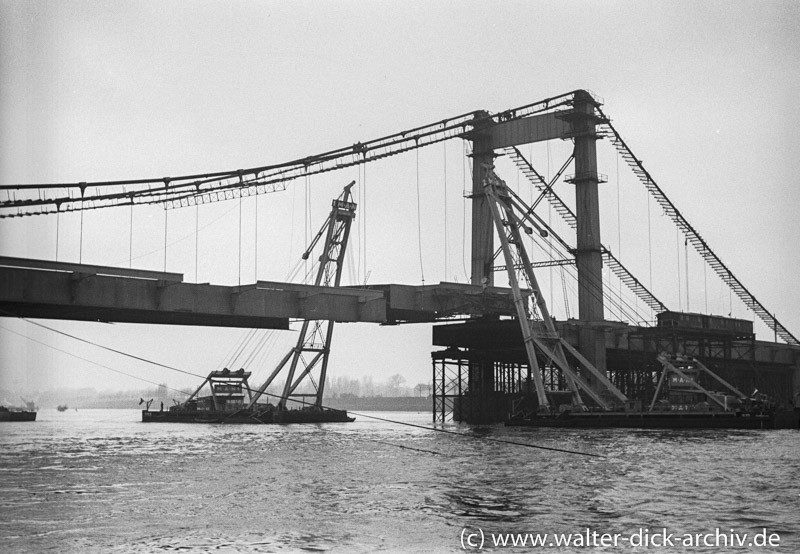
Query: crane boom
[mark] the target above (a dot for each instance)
(316, 335)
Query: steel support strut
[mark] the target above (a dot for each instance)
(519, 302)
(509, 216)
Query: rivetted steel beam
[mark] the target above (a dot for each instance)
(536, 128)
(486, 136)
(588, 254)
(39, 293)
(415, 303)
(482, 241)
(102, 296)
(187, 190)
(86, 269)
(67, 295)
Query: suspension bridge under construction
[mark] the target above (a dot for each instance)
(494, 344)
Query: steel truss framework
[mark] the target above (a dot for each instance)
(699, 244)
(487, 386)
(314, 342)
(464, 392)
(472, 386)
(546, 193)
(635, 368)
(511, 216)
(187, 190)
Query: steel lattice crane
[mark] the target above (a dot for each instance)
(510, 215)
(314, 343)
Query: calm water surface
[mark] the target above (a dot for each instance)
(101, 481)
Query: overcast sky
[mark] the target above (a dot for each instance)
(703, 92)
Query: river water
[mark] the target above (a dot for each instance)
(101, 481)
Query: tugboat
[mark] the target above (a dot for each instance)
(226, 404)
(679, 402)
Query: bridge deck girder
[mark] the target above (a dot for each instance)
(29, 288)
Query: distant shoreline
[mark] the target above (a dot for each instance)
(366, 403)
(381, 403)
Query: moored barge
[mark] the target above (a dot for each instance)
(679, 402)
(16, 414)
(226, 404)
(661, 420)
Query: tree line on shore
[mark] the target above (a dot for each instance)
(337, 388)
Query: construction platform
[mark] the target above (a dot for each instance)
(482, 376)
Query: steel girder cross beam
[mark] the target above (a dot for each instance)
(314, 342)
(509, 216)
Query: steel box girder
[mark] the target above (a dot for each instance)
(419, 303)
(99, 295)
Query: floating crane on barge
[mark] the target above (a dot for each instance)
(226, 404)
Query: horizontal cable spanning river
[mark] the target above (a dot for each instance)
(101, 481)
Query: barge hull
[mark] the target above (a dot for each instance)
(13, 415)
(247, 417)
(664, 420)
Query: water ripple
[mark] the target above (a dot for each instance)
(107, 483)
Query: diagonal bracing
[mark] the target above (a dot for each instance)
(569, 217)
(510, 214)
(700, 245)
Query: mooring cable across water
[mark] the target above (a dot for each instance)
(101, 346)
(489, 439)
(90, 361)
(363, 438)
(249, 389)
